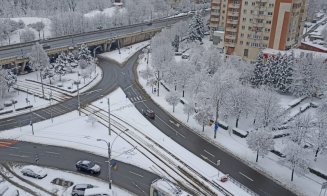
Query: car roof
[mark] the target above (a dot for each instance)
(97, 190)
(85, 162)
(81, 185)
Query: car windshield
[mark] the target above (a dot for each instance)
(90, 164)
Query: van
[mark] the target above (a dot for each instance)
(97, 191)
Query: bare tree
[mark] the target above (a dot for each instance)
(39, 26)
(27, 35)
(188, 109)
(173, 99)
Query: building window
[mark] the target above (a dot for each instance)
(265, 37)
(223, 11)
(246, 3)
(244, 19)
(271, 5)
(224, 5)
(252, 11)
(253, 3)
(261, 12)
(243, 27)
(247, 43)
(242, 34)
(246, 52)
(268, 22)
(241, 42)
(244, 11)
(270, 13)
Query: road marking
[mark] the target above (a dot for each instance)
(208, 153)
(246, 176)
(140, 98)
(136, 174)
(13, 147)
(49, 152)
(206, 158)
(132, 99)
(137, 98)
(16, 155)
(138, 187)
(128, 87)
(10, 120)
(172, 122)
(39, 116)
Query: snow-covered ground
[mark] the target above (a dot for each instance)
(308, 185)
(15, 36)
(125, 53)
(27, 96)
(52, 174)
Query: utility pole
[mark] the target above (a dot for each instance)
(109, 127)
(78, 100)
(109, 165)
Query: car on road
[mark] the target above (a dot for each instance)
(88, 166)
(149, 113)
(97, 192)
(34, 172)
(79, 189)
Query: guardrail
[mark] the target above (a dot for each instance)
(242, 186)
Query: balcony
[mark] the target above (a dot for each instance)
(235, 22)
(233, 13)
(234, 5)
(231, 29)
(229, 44)
(230, 37)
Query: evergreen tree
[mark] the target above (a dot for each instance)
(84, 54)
(285, 73)
(175, 43)
(272, 72)
(196, 28)
(258, 78)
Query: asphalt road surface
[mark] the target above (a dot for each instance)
(129, 177)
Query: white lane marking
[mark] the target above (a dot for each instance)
(39, 115)
(208, 153)
(132, 99)
(136, 174)
(13, 147)
(16, 155)
(137, 98)
(206, 158)
(128, 87)
(49, 152)
(10, 120)
(140, 98)
(246, 176)
(172, 122)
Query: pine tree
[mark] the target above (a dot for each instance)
(196, 28)
(272, 74)
(285, 73)
(175, 43)
(84, 54)
(259, 71)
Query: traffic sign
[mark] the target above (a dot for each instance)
(216, 126)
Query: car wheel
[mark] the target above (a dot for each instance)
(92, 172)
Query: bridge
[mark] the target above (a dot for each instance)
(15, 56)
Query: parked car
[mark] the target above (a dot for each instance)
(88, 166)
(46, 46)
(34, 172)
(97, 192)
(149, 113)
(185, 56)
(79, 189)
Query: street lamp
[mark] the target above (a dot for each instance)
(109, 155)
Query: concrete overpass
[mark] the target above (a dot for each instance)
(15, 56)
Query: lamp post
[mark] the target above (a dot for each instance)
(218, 163)
(109, 155)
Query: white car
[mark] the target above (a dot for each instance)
(97, 192)
(33, 171)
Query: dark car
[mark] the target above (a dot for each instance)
(149, 114)
(79, 189)
(88, 166)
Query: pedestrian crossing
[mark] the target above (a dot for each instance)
(7, 143)
(136, 99)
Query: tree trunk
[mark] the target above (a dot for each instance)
(316, 154)
(203, 127)
(173, 108)
(39, 34)
(183, 92)
(256, 160)
(237, 119)
(188, 116)
(42, 84)
(292, 174)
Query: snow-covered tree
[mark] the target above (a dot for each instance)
(11, 79)
(267, 108)
(48, 73)
(72, 62)
(84, 54)
(296, 159)
(300, 129)
(173, 99)
(261, 142)
(239, 102)
(27, 35)
(184, 73)
(202, 116)
(212, 60)
(219, 86)
(284, 74)
(309, 76)
(3, 86)
(39, 60)
(189, 109)
(39, 26)
(84, 71)
(260, 70)
(320, 132)
(196, 28)
(175, 43)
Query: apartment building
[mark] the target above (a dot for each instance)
(251, 25)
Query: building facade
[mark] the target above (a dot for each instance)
(251, 25)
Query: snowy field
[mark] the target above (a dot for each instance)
(107, 12)
(271, 165)
(46, 184)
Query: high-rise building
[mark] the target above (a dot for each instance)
(251, 25)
